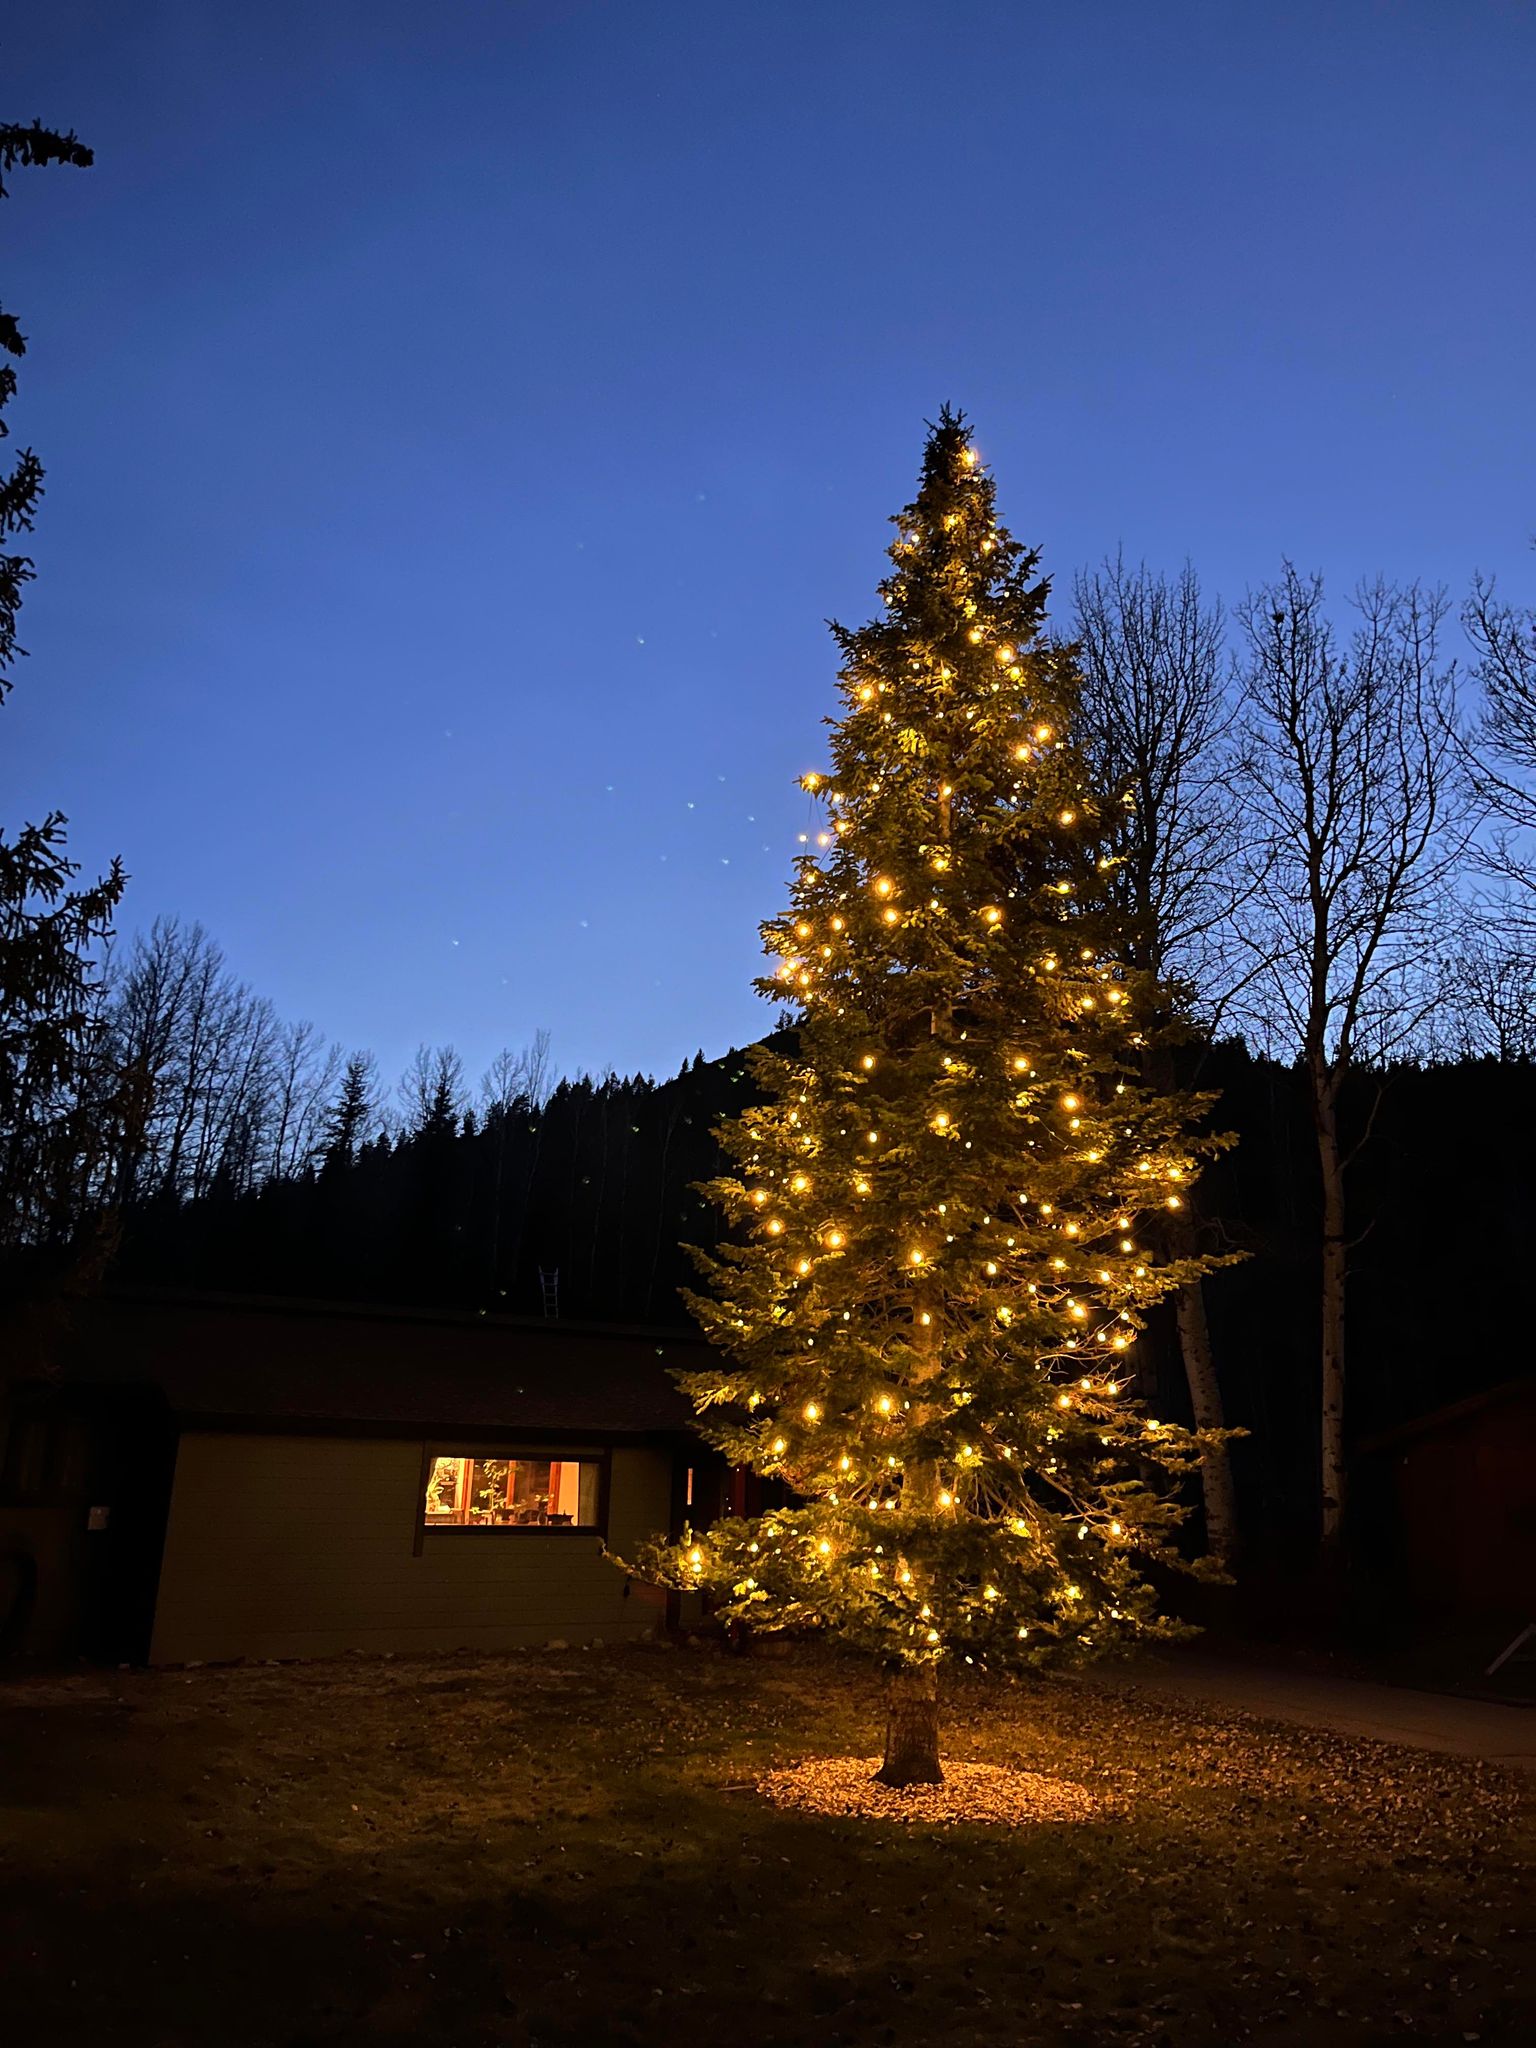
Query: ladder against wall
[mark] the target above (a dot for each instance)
(1521, 1651)
(549, 1283)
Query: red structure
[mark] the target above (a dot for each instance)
(1461, 1483)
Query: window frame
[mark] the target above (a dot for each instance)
(500, 1447)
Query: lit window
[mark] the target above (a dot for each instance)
(512, 1493)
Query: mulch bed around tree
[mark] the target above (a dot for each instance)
(986, 1795)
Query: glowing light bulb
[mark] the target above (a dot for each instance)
(778, 1446)
(812, 1412)
(867, 1062)
(835, 1239)
(1069, 1102)
(774, 1226)
(1042, 733)
(883, 885)
(1069, 817)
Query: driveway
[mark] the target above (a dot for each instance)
(1352, 1706)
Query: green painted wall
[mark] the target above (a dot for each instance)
(303, 1546)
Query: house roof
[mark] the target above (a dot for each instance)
(254, 1362)
(1440, 1420)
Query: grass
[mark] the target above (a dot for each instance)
(567, 1850)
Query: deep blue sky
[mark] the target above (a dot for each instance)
(460, 420)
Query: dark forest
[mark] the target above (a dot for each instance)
(584, 1207)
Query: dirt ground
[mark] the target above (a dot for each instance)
(569, 1850)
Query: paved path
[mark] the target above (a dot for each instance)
(1390, 1713)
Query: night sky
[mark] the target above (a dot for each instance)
(461, 419)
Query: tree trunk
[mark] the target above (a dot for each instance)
(1182, 1241)
(1335, 1265)
(1205, 1399)
(912, 1728)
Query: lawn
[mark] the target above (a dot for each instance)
(567, 1848)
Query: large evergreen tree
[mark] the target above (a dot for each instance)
(56, 1103)
(944, 1206)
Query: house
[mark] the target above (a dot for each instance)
(1452, 1496)
(207, 1479)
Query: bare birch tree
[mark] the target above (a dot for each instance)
(1350, 779)
(306, 1069)
(431, 1091)
(234, 1097)
(1503, 750)
(1156, 723)
(522, 1076)
(1487, 1006)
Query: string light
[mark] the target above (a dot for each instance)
(942, 788)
